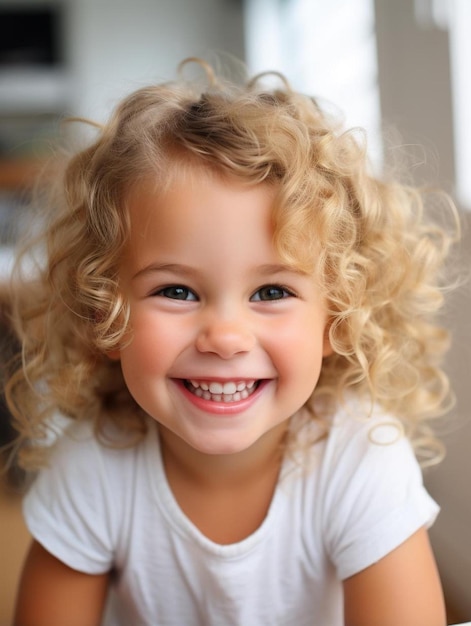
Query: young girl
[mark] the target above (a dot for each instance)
(236, 319)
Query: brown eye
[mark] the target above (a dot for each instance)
(270, 293)
(176, 292)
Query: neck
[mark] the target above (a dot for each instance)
(202, 469)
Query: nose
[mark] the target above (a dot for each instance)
(226, 338)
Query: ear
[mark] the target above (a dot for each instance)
(327, 349)
(114, 355)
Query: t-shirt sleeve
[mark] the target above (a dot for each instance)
(68, 509)
(374, 496)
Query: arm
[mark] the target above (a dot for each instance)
(53, 594)
(402, 588)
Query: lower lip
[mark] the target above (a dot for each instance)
(222, 408)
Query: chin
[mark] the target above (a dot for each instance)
(221, 446)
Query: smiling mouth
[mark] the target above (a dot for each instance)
(229, 391)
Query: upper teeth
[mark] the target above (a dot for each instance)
(226, 388)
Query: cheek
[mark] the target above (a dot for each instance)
(298, 349)
(145, 364)
(158, 340)
(147, 346)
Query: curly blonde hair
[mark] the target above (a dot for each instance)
(377, 254)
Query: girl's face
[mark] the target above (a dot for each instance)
(226, 342)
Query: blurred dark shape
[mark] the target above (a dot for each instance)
(29, 36)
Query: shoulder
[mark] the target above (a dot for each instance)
(83, 471)
(76, 506)
(371, 488)
(356, 435)
(78, 441)
(366, 451)
(359, 427)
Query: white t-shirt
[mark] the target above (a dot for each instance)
(98, 509)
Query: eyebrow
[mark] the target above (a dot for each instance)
(268, 269)
(279, 268)
(175, 268)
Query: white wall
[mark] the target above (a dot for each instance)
(116, 46)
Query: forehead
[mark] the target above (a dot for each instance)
(200, 211)
(191, 191)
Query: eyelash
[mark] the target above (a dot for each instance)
(180, 292)
(181, 289)
(285, 293)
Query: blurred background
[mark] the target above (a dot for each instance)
(402, 65)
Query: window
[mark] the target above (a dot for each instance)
(325, 49)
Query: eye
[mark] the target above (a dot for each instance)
(271, 292)
(176, 292)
